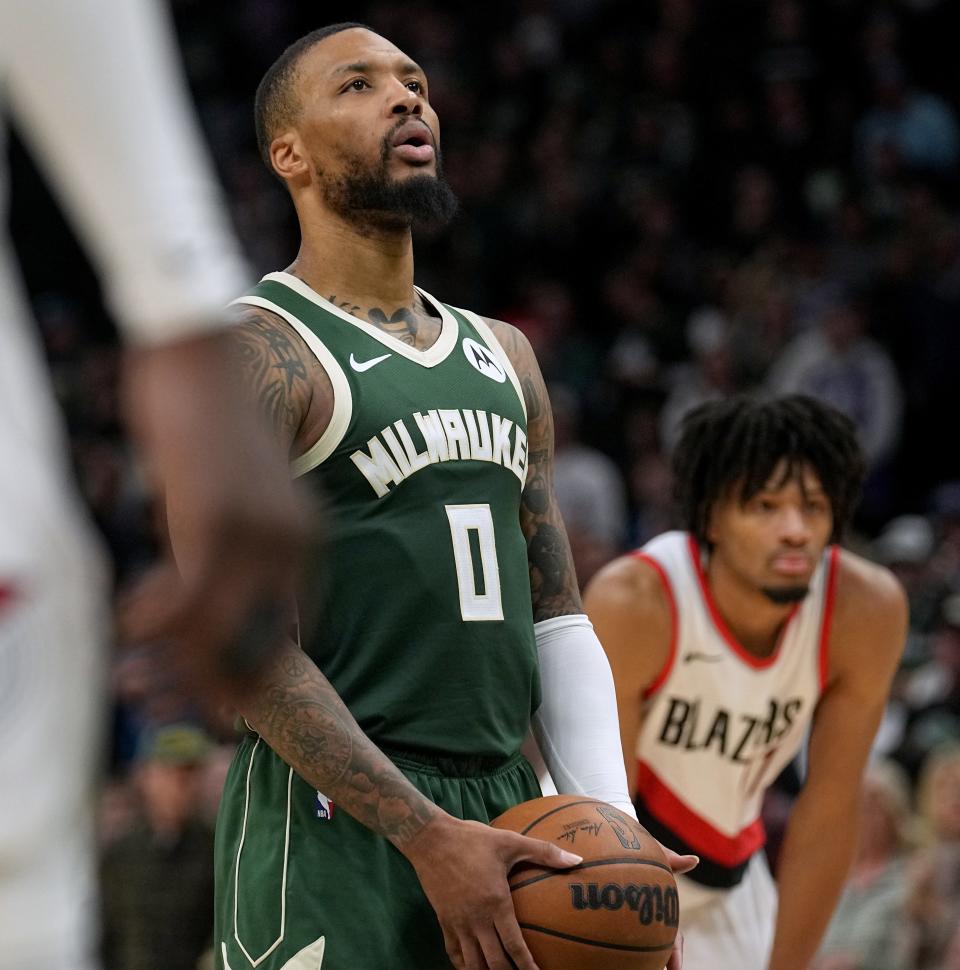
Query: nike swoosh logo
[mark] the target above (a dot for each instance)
(706, 657)
(361, 365)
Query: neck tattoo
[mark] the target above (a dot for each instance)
(404, 324)
(345, 305)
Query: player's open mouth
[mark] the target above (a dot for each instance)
(413, 142)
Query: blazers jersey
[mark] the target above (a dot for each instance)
(719, 723)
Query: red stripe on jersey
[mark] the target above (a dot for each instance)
(7, 595)
(695, 830)
(748, 658)
(827, 621)
(661, 677)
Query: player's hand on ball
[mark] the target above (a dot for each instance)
(679, 864)
(462, 867)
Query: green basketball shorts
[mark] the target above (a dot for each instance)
(300, 885)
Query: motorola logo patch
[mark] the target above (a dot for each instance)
(484, 360)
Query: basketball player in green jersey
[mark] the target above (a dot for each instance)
(350, 833)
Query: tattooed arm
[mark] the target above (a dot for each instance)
(301, 716)
(291, 387)
(553, 579)
(462, 866)
(583, 754)
(298, 712)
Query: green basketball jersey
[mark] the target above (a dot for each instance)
(425, 622)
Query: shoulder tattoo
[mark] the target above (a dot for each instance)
(273, 360)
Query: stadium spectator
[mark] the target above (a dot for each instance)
(906, 546)
(905, 127)
(933, 903)
(711, 374)
(866, 931)
(590, 489)
(931, 691)
(838, 363)
(158, 878)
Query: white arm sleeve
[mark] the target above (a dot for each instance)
(576, 726)
(97, 93)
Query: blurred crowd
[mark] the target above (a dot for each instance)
(675, 200)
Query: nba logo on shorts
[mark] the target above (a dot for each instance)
(324, 807)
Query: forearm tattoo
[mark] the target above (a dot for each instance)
(304, 720)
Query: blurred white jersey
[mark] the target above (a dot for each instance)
(719, 725)
(95, 92)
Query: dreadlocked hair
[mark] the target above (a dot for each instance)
(730, 449)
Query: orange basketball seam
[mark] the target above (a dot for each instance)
(607, 946)
(561, 808)
(615, 861)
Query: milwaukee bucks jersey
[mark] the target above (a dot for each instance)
(425, 624)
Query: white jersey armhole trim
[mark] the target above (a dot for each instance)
(490, 339)
(324, 447)
(256, 961)
(435, 354)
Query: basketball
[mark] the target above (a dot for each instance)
(617, 910)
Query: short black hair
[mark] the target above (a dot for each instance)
(730, 448)
(275, 105)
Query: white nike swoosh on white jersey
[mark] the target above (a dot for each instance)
(361, 365)
(304, 960)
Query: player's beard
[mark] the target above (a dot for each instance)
(785, 595)
(370, 199)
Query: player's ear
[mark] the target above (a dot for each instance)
(287, 156)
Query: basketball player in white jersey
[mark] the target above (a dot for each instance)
(728, 643)
(93, 88)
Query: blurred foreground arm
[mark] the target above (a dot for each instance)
(238, 527)
(99, 96)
